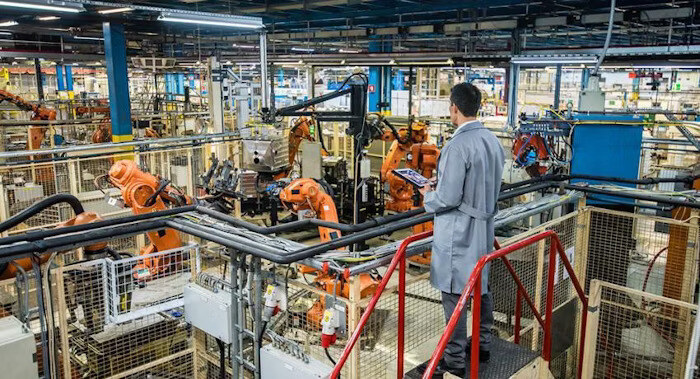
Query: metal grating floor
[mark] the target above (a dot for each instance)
(507, 358)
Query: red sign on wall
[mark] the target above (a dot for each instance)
(370, 88)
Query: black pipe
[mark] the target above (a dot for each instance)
(41, 234)
(224, 241)
(637, 196)
(39, 206)
(359, 237)
(93, 236)
(561, 178)
(509, 194)
(302, 224)
(77, 240)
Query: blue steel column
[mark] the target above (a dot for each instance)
(118, 80)
(69, 78)
(379, 77)
(60, 83)
(374, 79)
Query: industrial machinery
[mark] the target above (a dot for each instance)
(541, 146)
(145, 193)
(36, 133)
(307, 194)
(411, 144)
(17, 349)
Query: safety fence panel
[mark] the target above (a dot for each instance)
(636, 334)
(145, 338)
(149, 283)
(646, 253)
(23, 184)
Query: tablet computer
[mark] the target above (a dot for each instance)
(412, 176)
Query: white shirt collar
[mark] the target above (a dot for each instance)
(465, 124)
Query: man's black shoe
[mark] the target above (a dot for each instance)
(484, 355)
(441, 369)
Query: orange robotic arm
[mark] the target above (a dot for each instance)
(307, 194)
(145, 193)
(36, 134)
(423, 159)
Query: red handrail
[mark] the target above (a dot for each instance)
(399, 258)
(474, 286)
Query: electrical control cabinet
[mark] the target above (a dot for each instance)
(17, 350)
(209, 311)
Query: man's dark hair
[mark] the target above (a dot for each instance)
(467, 98)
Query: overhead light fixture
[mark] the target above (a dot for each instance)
(6, 33)
(57, 6)
(8, 23)
(245, 46)
(89, 38)
(47, 18)
(303, 49)
(115, 10)
(540, 61)
(214, 20)
(348, 51)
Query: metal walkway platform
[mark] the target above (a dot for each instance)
(506, 360)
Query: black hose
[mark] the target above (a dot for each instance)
(561, 178)
(328, 355)
(73, 241)
(39, 206)
(302, 224)
(41, 234)
(42, 321)
(262, 333)
(222, 358)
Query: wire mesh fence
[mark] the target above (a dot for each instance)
(112, 324)
(638, 335)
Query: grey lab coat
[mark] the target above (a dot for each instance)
(470, 167)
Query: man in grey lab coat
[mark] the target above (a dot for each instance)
(468, 183)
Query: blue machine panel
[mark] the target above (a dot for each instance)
(607, 145)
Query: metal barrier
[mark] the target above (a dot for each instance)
(474, 286)
(399, 259)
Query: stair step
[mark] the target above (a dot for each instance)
(506, 360)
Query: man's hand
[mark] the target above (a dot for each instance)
(425, 189)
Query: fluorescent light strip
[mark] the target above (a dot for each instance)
(303, 49)
(89, 38)
(8, 23)
(47, 18)
(40, 7)
(209, 22)
(245, 46)
(545, 61)
(348, 51)
(115, 10)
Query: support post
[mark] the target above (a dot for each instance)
(39, 79)
(264, 80)
(513, 94)
(557, 88)
(117, 78)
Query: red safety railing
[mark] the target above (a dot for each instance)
(399, 259)
(474, 286)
